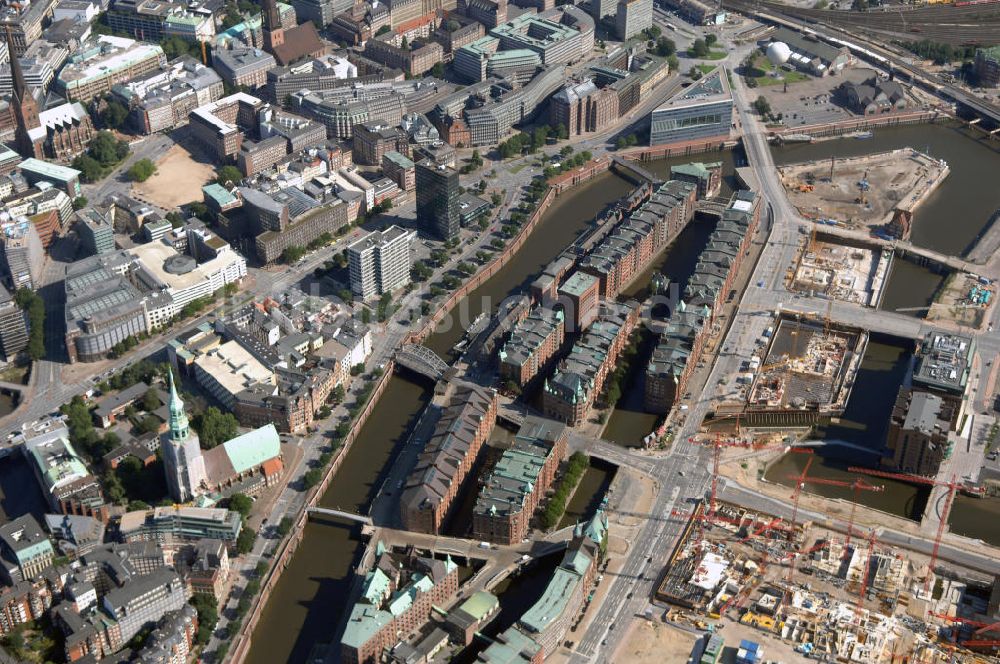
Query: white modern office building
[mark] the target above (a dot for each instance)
(380, 262)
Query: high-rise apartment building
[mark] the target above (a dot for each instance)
(380, 262)
(633, 17)
(437, 200)
(13, 326)
(601, 8)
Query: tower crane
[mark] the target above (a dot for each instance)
(796, 494)
(952, 487)
(856, 486)
(981, 628)
(872, 538)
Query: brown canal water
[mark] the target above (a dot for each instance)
(952, 217)
(978, 518)
(589, 493)
(309, 602)
(569, 216)
(310, 598)
(517, 594)
(862, 429)
(629, 422)
(910, 289)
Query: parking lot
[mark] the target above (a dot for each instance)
(812, 101)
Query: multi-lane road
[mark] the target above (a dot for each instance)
(682, 473)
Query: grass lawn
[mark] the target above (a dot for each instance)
(705, 68)
(15, 373)
(517, 169)
(712, 55)
(761, 71)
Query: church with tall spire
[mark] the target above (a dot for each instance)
(24, 106)
(183, 461)
(274, 33)
(61, 132)
(288, 45)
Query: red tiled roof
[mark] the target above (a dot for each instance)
(271, 467)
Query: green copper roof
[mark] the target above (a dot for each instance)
(58, 465)
(553, 601)
(219, 194)
(364, 623)
(401, 160)
(694, 169)
(577, 284)
(253, 448)
(511, 647)
(376, 586)
(480, 604)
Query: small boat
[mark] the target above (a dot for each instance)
(862, 135)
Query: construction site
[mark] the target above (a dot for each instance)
(965, 299)
(809, 365)
(842, 270)
(785, 589)
(879, 193)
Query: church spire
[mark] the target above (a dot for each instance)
(23, 104)
(273, 33)
(179, 428)
(17, 76)
(272, 19)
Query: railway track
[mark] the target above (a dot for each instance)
(958, 26)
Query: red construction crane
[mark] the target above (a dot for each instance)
(773, 524)
(980, 626)
(952, 486)
(822, 544)
(864, 579)
(799, 483)
(718, 443)
(857, 486)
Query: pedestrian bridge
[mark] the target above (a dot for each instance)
(421, 360)
(634, 169)
(350, 516)
(712, 207)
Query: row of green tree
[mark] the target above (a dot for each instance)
(939, 52)
(33, 305)
(556, 506)
(103, 153)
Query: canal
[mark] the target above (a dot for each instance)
(862, 430)
(567, 217)
(629, 423)
(589, 494)
(19, 491)
(308, 603)
(910, 289)
(952, 217)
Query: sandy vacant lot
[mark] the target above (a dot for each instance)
(178, 180)
(656, 643)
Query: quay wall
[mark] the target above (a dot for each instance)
(862, 123)
(240, 645)
(557, 186)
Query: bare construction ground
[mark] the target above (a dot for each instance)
(653, 642)
(862, 191)
(178, 180)
(852, 274)
(963, 300)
